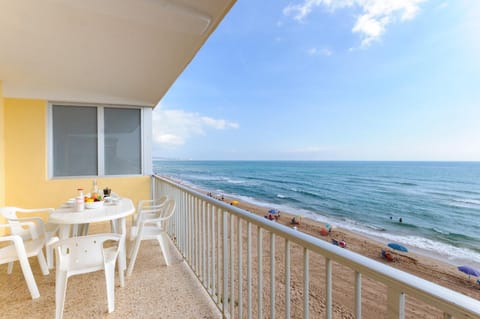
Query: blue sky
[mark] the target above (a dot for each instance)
(330, 80)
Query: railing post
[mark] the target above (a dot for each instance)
(204, 244)
(214, 254)
(240, 267)
(259, 273)
(225, 263)
(358, 295)
(287, 279)
(219, 241)
(209, 238)
(249, 270)
(306, 284)
(328, 287)
(272, 275)
(232, 267)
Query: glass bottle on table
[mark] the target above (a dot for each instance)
(94, 191)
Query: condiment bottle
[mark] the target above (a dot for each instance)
(79, 201)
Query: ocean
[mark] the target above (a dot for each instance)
(438, 202)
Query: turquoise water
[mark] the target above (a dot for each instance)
(439, 202)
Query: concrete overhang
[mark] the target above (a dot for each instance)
(101, 51)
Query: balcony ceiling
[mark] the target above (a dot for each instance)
(108, 51)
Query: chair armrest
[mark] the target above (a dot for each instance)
(36, 232)
(35, 210)
(9, 238)
(52, 242)
(155, 220)
(16, 239)
(18, 242)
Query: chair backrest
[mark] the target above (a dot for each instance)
(151, 204)
(84, 253)
(168, 209)
(149, 208)
(166, 212)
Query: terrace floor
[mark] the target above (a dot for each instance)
(153, 291)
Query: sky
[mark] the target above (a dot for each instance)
(330, 80)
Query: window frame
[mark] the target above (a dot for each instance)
(145, 139)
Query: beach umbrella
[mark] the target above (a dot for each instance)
(398, 247)
(273, 211)
(234, 202)
(469, 271)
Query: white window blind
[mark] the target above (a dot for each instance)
(123, 152)
(74, 140)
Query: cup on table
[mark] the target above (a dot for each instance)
(106, 192)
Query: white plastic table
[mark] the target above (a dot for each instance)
(66, 216)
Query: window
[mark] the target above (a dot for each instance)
(87, 140)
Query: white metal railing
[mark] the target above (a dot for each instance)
(210, 235)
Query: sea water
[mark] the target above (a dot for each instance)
(438, 202)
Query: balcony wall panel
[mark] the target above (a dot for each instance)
(2, 148)
(26, 176)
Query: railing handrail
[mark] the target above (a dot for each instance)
(447, 300)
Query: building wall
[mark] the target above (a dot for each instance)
(26, 176)
(2, 151)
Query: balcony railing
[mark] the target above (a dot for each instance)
(217, 241)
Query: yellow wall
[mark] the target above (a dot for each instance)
(2, 152)
(26, 177)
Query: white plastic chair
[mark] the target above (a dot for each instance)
(151, 224)
(147, 208)
(10, 214)
(80, 255)
(20, 250)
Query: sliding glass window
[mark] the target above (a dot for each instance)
(98, 140)
(123, 151)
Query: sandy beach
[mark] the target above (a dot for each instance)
(373, 293)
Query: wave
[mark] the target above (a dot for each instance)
(407, 225)
(406, 183)
(308, 193)
(281, 196)
(431, 247)
(467, 201)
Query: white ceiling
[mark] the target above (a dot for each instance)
(101, 51)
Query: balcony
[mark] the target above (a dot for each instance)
(233, 264)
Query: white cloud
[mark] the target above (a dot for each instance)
(315, 51)
(175, 127)
(374, 17)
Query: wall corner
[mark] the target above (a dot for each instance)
(2, 147)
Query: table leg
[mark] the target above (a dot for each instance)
(122, 255)
(64, 231)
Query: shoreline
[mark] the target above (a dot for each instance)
(414, 262)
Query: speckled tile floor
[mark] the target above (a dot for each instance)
(153, 291)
